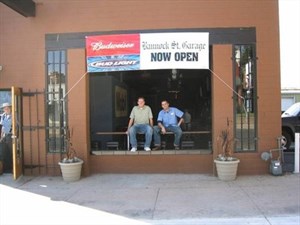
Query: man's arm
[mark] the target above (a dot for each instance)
(161, 126)
(151, 122)
(129, 125)
(180, 121)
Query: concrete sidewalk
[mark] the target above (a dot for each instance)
(158, 199)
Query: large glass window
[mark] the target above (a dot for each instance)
(245, 98)
(56, 108)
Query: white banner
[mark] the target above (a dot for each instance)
(174, 50)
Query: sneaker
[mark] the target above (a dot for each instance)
(133, 149)
(156, 148)
(176, 147)
(147, 149)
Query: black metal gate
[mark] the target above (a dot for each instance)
(37, 161)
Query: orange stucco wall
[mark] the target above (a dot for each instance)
(22, 55)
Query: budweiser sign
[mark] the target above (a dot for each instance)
(108, 45)
(96, 46)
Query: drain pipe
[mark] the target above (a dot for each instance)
(297, 148)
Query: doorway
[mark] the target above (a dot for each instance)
(11, 149)
(187, 89)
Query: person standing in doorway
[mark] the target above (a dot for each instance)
(141, 121)
(5, 138)
(168, 121)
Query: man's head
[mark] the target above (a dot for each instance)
(165, 105)
(6, 107)
(141, 102)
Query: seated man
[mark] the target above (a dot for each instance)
(142, 119)
(168, 121)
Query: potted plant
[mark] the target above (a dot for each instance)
(70, 165)
(226, 164)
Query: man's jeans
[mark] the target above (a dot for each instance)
(143, 129)
(175, 129)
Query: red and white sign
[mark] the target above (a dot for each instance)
(147, 51)
(108, 45)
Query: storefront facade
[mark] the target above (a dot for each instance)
(47, 59)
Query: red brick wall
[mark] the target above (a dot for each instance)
(22, 55)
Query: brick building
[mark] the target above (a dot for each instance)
(43, 55)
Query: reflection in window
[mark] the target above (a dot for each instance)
(245, 102)
(56, 88)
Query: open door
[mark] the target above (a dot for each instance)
(17, 146)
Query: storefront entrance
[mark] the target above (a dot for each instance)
(113, 94)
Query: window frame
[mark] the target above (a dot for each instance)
(58, 62)
(250, 140)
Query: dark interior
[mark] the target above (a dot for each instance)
(185, 89)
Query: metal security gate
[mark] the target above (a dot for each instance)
(37, 160)
(33, 131)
